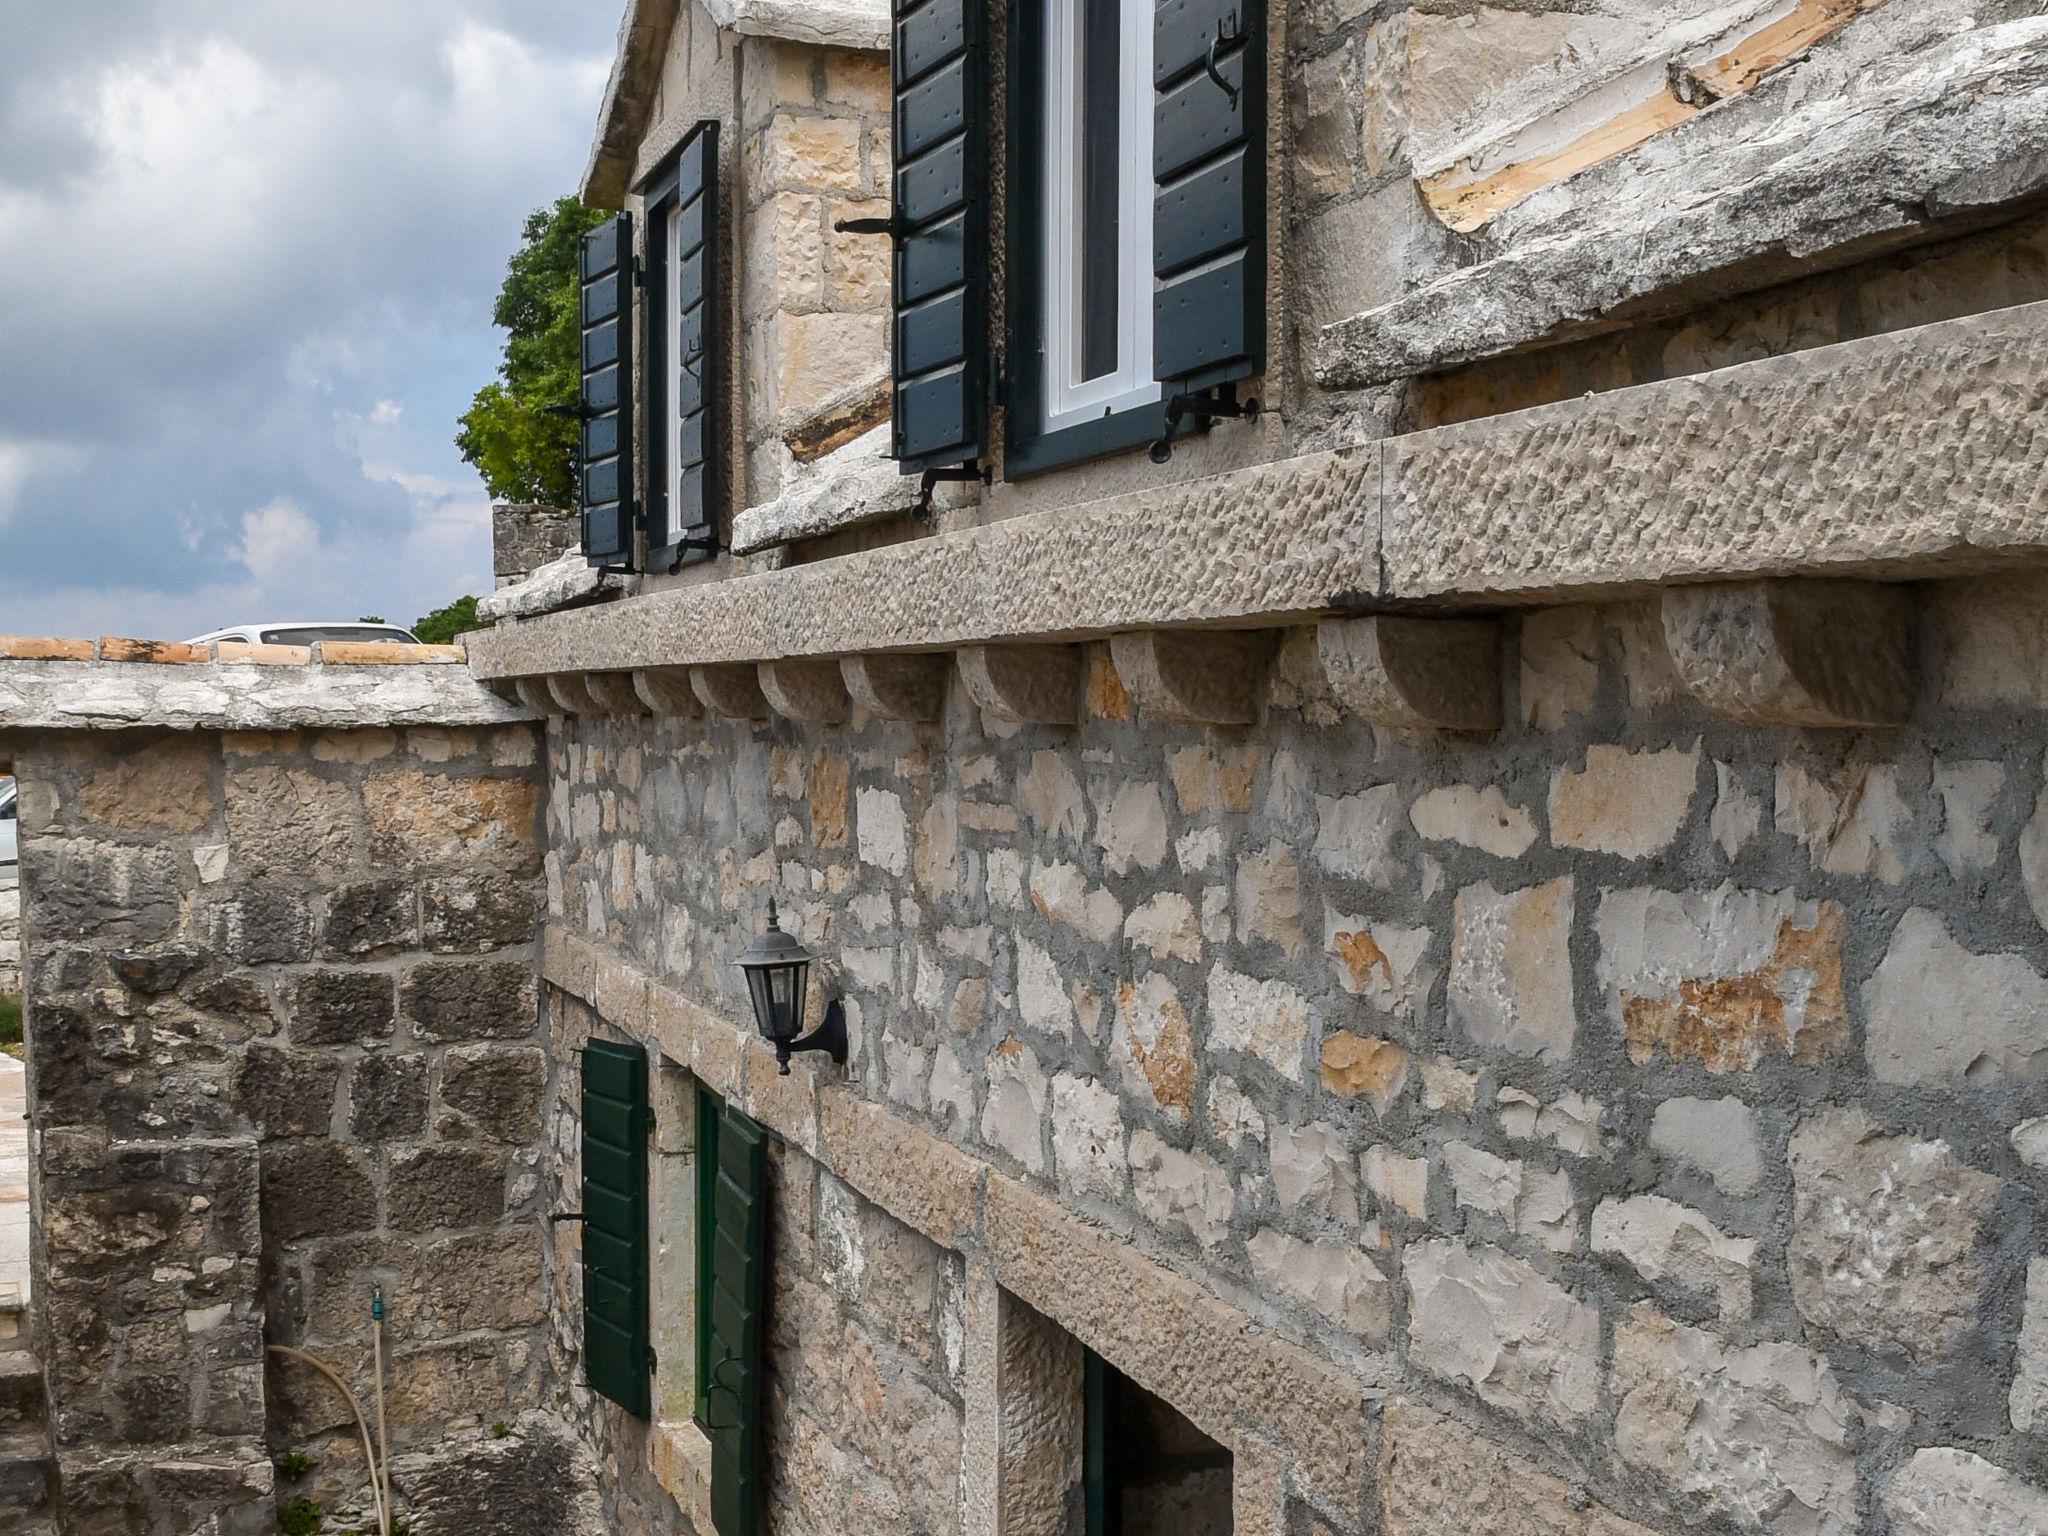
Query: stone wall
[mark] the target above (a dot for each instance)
(525, 537)
(10, 940)
(284, 1054)
(1655, 1099)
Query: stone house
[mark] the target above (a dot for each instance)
(1464, 948)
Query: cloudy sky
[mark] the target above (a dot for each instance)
(248, 250)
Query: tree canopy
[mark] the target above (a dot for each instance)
(443, 625)
(524, 451)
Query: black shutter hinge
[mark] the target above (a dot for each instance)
(952, 474)
(1198, 410)
(895, 226)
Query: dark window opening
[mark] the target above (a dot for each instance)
(710, 1108)
(1148, 1471)
(1099, 259)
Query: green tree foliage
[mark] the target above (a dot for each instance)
(523, 452)
(443, 625)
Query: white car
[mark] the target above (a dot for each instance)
(9, 846)
(307, 632)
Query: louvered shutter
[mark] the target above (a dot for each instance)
(683, 513)
(605, 476)
(1209, 209)
(739, 1281)
(616, 1358)
(941, 214)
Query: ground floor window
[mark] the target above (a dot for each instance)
(1147, 1471)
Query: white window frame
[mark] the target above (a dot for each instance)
(672, 326)
(1068, 401)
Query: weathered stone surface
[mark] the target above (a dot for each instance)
(1024, 685)
(1181, 1189)
(432, 818)
(1814, 653)
(1438, 1476)
(1478, 817)
(1421, 674)
(730, 691)
(387, 1097)
(1940, 1014)
(469, 999)
(1719, 1137)
(166, 786)
(476, 914)
(614, 693)
(1312, 1170)
(531, 1481)
(563, 582)
(445, 1186)
(1087, 1137)
(370, 917)
(1726, 977)
(2029, 1398)
(337, 1007)
(1734, 199)
(314, 1189)
(808, 691)
(1193, 677)
(1764, 1433)
(1354, 1064)
(1850, 823)
(1266, 1017)
(1666, 1241)
(855, 484)
(897, 687)
(1623, 802)
(1884, 1235)
(1013, 1114)
(667, 691)
(1333, 1278)
(1154, 1045)
(1943, 1491)
(1519, 1341)
(102, 890)
(492, 1092)
(1531, 1202)
(1511, 969)
(287, 1093)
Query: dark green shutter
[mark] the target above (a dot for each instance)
(687, 529)
(1209, 206)
(605, 473)
(616, 1357)
(739, 1286)
(941, 210)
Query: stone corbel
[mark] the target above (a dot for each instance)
(805, 690)
(572, 696)
(1024, 684)
(1795, 652)
(1193, 677)
(667, 691)
(731, 689)
(535, 694)
(614, 692)
(902, 687)
(1414, 673)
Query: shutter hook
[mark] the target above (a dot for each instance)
(690, 364)
(1226, 34)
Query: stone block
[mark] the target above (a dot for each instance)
(1523, 1343)
(1511, 968)
(1811, 653)
(2029, 1398)
(437, 1383)
(1331, 1278)
(314, 1189)
(1670, 1243)
(266, 923)
(1719, 1137)
(470, 999)
(1087, 1137)
(481, 1280)
(387, 1097)
(420, 819)
(1626, 803)
(165, 786)
(1013, 1113)
(1415, 673)
(1312, 1170)
(813, 152)
(1943, 1016)
(287, 1093)
(290, 822)
(101, 890)
(1438, 1476)
(1181, 1189)
(1943, 1491)
(1763, 1434)
(446, 1186)
(1264, 1016)
(1884, 1236)
(476, 914)
(370, 917)
(1478, 817)
(1531, 1202)
(1729, 978)
(334, 1007)
(492, 1092)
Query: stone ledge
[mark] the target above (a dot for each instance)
(235, 694)
(1906, 135)
(1898, 457)
(853, 485)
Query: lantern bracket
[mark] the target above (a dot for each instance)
(829, 1037)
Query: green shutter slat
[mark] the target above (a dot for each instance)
(737, 1353)
(940, 193)
(615, 1246)
(1209, 193)
(682, 518)
(605, 480)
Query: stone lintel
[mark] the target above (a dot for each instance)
(614, 693)
(1193, 677)
(808, 690)
(733, 691)
(667, 691)
(898, 687)
(1916, 454)
(1812, 653)
(1414, 673)
(1024, 684)
(233, 696)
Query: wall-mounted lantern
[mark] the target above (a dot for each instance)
(777, 968)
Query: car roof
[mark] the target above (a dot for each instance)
(238, 629)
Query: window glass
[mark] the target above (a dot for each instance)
(709, 1108)
(1098, 237)
(309, 633)
(677, 363)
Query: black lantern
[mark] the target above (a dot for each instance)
(777, 968)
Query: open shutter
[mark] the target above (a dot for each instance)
(1209, 210)
(692, 361)
(605, 477)
(941, 225)
(616, 1357)
(739, 1281)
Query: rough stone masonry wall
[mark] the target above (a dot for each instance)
(10, 940)
(1659, 1100)
(283, 1049)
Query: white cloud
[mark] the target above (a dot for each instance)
(386, 412)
